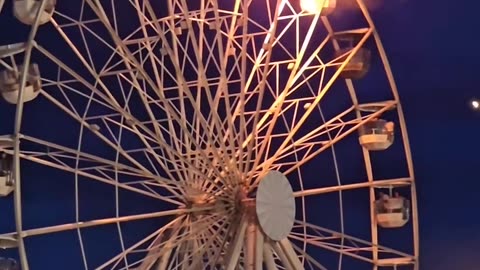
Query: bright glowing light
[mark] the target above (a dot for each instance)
(313, 6)
(476, 104)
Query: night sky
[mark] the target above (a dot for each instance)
(433, 50)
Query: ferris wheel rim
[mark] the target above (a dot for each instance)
(17, 137)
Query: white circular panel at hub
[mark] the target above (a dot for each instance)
(275, 205)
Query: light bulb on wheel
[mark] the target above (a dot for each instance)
(475, 104)
(313, 6)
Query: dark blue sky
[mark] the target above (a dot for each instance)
(433, 51)
(432, 46)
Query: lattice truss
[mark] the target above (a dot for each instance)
(189, 101)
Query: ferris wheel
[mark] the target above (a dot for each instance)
(263, 129)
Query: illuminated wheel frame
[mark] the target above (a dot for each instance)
(164, 94)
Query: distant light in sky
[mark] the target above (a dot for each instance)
(475, 104)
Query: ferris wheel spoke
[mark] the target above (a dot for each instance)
(154, 255)
(158, 250)
(282, 257)
(264, 59)
(348, 245)
(200, 121)
(216, 123)
(201, 250)
(189, 250)
(260, 250)
(269, 259)
(217, 247)
(235, 247)
(211, 241)
(226, 82)
(252, 117)
(174, 163)
(253, 247)
(212, 118)
(310, 109)
(225, 238)
(177, 142)
(235, 101)
(340, 134)
(117, 121)
(279, 101)
(93, 167)
(301, 150)
(275, 69)
(127, 55)
(308, 259)
(195, 250)
(173, 263)
(103, 222)
(257, 70)
(115, 261)
(185, 93)
(395, 182)
(318, 140)
(243, 72)
(81, 120)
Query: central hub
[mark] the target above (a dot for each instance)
(273, 206)
(196, 196)
(241, 198)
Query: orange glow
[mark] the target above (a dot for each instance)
(314, 6)
(476, 104)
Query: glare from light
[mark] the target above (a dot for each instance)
(476, 104)
(313, 6)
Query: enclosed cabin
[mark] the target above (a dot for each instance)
(8, 242)
(359, 63)
(27, 10)
(8, 264)
(10, 84)
(376, 134)
(392, 212)
(10, 50)
(6, 180)
(322, 7)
